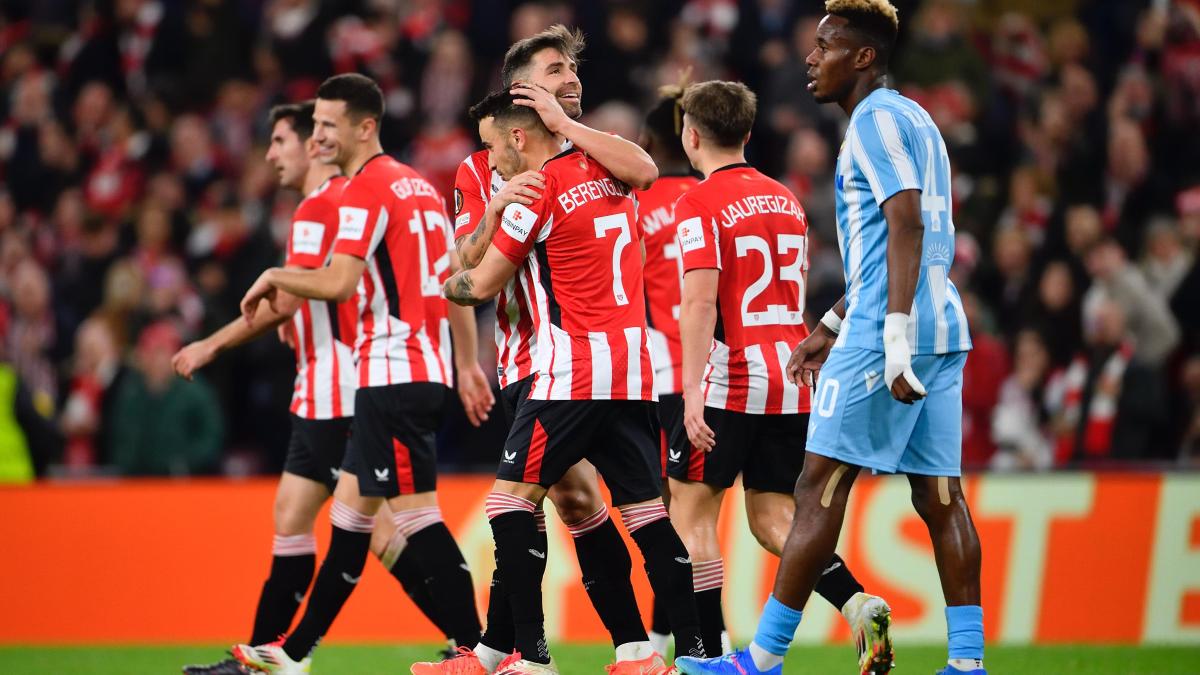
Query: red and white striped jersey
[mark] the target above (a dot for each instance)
(583, 283)
(664, 276)
(396, 221)
(325, 375)
(754, 231)
(474, 187)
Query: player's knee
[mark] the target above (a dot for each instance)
(931, 497)
(574, 505)
(291, 518)
(769, 531)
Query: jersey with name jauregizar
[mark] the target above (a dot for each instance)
(754, 232)
(663, 277)
(474, 186)
(892, 145)
(396, 221)
(583, 283)
(325, 374)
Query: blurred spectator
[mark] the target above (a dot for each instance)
(1152, 329)
(1056, 313)
(164, 425)
(1165, 261)
(986, 369)
(1109, 403)
(86, 412)
(1018, 422)
(31, 335)
(1189, 452)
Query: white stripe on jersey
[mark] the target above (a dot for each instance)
(964, 335)
(756, 371)
(633, 352)
(791, 392)
(894, 146)
(560, 345)
(301, 396)
(937, 299)
(716, 371)
(323, 375)
(660, 355)
(601, 366)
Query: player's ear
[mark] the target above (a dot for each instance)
(864, 57)
(310, 147)
(367, 127)
(518, 137)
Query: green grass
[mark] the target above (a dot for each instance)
(590, 660)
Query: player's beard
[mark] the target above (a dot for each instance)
(573, 108)
(509, 163)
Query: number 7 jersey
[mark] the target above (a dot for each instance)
(583, 283)
(754, 232)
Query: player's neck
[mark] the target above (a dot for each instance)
(316, 176)
(711, 160)
(862, 90)
(538, 152)
(365, 152)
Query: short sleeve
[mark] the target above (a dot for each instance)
(884, 151)
(358, 218)
(469, 205)
(314, 227)
(521, 226)
(699, 240)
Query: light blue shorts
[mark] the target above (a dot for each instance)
(855, 419)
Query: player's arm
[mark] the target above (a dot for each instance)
(336, 281)
(481, 283)
(625, 160)
(697, 322)
(524, 189)
(906, 232)
(473, 387)
(200, 353)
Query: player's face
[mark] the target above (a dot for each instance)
(503, 155)
(334, 132)
(287, 155)
(553, 71)
(831, 63)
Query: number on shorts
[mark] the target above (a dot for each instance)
(827, 399)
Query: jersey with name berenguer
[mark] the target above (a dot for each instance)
(325, 375)
(751, 229)
(474, 187)
(396, 221)
(583, 283)
(663, 277)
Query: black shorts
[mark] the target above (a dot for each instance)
(393, 449)
(768, 450)
(316, 449)
(513, 395)
(670, 415)
(621, 438)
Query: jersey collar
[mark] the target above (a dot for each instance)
(736, 165)
(564, 153)
(369, 160)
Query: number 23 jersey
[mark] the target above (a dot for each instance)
(583, 282)
(754, 232)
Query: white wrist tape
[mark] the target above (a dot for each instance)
(832, 321)
(895, 338)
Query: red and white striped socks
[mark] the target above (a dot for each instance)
(346, 518)
(293, 545)
(638, 516)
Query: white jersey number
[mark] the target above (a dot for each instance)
(420, 223)
(620, 223)
(774, 315)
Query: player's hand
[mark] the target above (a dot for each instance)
(544, 102)
(192, 357)
(524, 188)
(287, 334)
(808, 356)
(476, 393)
(700, 435)
(897, 361)
(262, 289)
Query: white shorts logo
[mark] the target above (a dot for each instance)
(352, 222)
(518, 222)
(307, 236)
(691, 235)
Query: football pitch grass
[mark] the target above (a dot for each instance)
(590, 660)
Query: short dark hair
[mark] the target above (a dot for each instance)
(723, 110)
(363, 98)
(499, 106)
(298, 115)
(875, 21)
(664, 121)
(568, 42)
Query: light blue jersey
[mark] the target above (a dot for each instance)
(892, 145)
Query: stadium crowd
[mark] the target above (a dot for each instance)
(137, 206)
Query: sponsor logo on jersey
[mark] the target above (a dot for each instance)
(691, 235)
(352, 222)
(307, 236)
(462, 221)
(518, 222)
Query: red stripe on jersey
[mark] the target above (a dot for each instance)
(537, 450)
(774, 375)
(310, 382)
(404, 469)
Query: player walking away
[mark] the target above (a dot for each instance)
(663, 278)
(323, 398)
(889, 355)
(392, 248)
(744, 241)
(592, 394)
(548, 62)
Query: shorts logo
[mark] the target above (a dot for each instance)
(349, 579)
(307, 236)
(352, 222)
(691, 235)
(537, 554)
(871, 378)
(684, 561)
(518, 222)
(382, 474)
(337, 473)
(458, 201)
(510, 456)
(675, 455)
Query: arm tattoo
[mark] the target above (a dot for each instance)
(459, 289)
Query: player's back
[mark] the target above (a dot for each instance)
(396, 221)
(584, 283)
(325, 374)
(754, 232)
(663, 275)
(893, 145)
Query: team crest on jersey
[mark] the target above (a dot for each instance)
(938, 254)
(458, 201)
